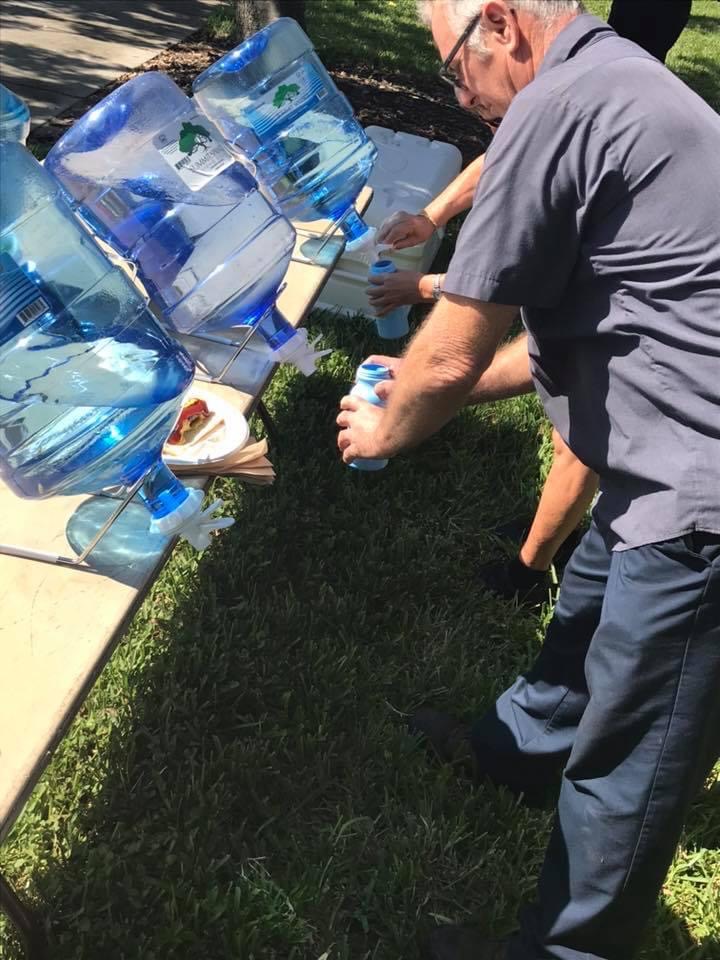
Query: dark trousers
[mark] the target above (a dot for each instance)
(654, 25)
(624, 698)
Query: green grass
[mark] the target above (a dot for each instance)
(239, 785)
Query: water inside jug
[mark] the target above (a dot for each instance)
(272, 98)
(90, 384)
(155, 181)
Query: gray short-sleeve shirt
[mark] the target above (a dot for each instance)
(598, 212)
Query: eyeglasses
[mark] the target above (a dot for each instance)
(444, 72)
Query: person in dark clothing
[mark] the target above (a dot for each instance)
(654, 25)
(582, 218)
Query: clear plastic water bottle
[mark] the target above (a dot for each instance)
(90, 384)
(14, 116)
(395, 323)
(367, 377)
(154, 179)
(273, 99)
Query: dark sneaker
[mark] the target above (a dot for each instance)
(516, 531)
(462, 942)
(446, 735)
(449, 739)
(514, 581)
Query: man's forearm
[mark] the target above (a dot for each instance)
(507, 376)
(444, 361)
(457, 196)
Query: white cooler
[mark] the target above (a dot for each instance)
(408, 173)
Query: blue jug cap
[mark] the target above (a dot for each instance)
(372, 373)
(12, 108)
(383, 266)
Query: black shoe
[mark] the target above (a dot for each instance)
(517, 530)
(462, 942)
(448, 737)
(514, 581)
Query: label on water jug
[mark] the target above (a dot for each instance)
(20, 299)
(287, 97)
(194, 151)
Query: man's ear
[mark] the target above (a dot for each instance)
(498, 20)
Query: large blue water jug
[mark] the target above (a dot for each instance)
(90, 384)
(154, 179)
(14, 116)
(273, 99)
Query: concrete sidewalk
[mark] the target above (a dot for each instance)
(54, 52)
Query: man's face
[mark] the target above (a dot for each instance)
(488, 83)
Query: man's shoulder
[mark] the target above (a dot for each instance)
(598, 73)
(614, 78)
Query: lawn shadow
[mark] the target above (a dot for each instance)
(701, 74)
(670, 936)
(259, 724)
(705, 24)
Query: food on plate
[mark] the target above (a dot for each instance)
(194, 415)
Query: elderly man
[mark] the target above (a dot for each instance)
(598, 213)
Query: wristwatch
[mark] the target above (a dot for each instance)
(437, 285)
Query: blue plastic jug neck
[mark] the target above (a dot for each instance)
(372, 373)
(383, 266)
(162, 492)
(353, 226)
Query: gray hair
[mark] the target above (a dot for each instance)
(461, 12)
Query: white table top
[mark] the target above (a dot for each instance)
(60, 625)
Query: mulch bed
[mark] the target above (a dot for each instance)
(416, 105)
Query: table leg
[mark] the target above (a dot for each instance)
(267, 421)
(28, 929)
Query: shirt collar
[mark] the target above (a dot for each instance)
(581, 30)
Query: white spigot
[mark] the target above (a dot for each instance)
(301, 352)
(191, 522)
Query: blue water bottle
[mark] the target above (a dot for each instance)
(90, 384)
(14, 116)
(154, 179)
(366, 379)
(395, 323)
(273, 99)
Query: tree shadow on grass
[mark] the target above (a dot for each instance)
(247, 788)
(670, 939)
(705, 24)
(240, 784)
(701, 74)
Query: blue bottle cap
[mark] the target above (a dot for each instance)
(13, 110)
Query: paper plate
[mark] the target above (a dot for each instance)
(227, 439)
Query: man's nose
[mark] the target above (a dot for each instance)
(466, 98)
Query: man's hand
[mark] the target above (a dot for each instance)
(444, 361)
(390, 290)
(360, 435)
(385, 387)
(404, 229)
